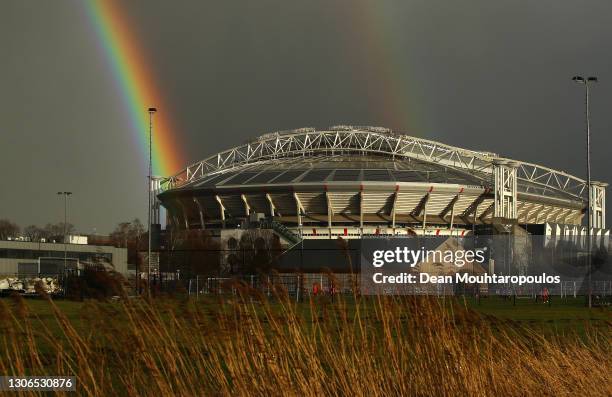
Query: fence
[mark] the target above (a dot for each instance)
(300, 285)
(308, 284)
(294, 284)
(563, 289)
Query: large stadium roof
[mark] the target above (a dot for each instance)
(336, 168)
(363, 154)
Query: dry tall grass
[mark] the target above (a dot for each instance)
(249, 346)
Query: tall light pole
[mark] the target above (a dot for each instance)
(587, 83)
(151, 111)
(65, 194)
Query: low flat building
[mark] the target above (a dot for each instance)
(16, 256)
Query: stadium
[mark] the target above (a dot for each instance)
(351, 182)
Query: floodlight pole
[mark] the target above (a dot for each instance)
(151, 111)
(587, 82)
(65, 194)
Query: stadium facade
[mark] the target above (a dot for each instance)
(350, 182)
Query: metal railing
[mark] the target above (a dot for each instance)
(312, 284)
(281, 229)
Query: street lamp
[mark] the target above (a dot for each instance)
(65, 194)
(587, 83)
(151, 111)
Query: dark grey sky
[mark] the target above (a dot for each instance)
(484, 75)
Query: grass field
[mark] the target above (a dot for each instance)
(568, 315)
(252, 345)
(562, 315)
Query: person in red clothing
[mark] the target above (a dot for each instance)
(545, 295)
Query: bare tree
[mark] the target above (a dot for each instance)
(136, 232)
(8, 229)
(34, 233)
(193, 252)
(128, 234)
(120, 235)
(56, 231)
(258, 250)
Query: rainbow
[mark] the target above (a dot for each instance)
(394, 90)
(136, 85)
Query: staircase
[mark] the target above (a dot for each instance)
(281, 230)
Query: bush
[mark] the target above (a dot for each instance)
(94, 283)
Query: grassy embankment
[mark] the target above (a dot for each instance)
(251, 345)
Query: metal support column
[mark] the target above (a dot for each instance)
(597, 212)
(504, 175)
(221, 210)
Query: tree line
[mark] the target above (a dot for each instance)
(49, 232)
(125, 233)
